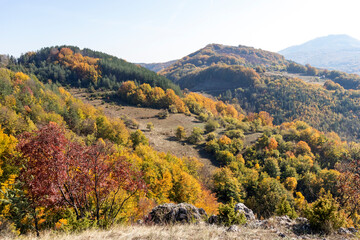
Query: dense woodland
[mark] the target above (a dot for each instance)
(67, 166)
(261, 83)
(85, 68)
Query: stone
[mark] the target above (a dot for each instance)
(249, 214)
(171, 213)
(213, 219)
(233, 228)
(343, 231)
(282, 235)
(352, 230)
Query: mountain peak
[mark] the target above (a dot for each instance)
(335, 52)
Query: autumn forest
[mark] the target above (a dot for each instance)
(66, 165)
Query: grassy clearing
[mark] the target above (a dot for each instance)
(176, 232)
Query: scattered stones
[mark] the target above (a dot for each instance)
(170, 213)
(249, 214)
(282, 235)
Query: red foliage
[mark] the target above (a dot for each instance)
(59, 172)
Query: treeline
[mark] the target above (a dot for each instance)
(65, 165)
(348, 81)
(146, 96)
(85, 68)
(328, 108)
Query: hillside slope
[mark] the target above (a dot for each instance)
(72, 66)
(217, 54)
(333, 52)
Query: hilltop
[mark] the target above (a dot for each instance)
(217, 54)
(333, 52)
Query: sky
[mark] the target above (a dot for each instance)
(162, 30)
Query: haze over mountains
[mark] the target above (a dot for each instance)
(333, 52)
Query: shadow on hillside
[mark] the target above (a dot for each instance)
(205, 154)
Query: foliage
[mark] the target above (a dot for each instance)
(180, 133)
(195, 136)
(324, 215)
(228, 216)
(211, 126)
(284, 208)
(87, 179)
(86, 68)
(216, 54)
(149, 126)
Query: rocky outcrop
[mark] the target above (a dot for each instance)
(249, 214)
(171, 213)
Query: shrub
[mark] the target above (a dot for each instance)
(210, 136)
(228, 216)
(196, 136)
(235, 134)
(323, 214)
(138, 138)
(150, 126)
(284, 208)
(163, 114)
(211, 126)
(180, 133)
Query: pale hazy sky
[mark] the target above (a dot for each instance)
(162, 30)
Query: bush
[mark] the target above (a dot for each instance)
(163, 114)
(323, 214)
(196, 136)
(228, 216)
(211, 126)
(235, 134)
(180, 133)
(284, 208)
(138, 138)
(150, 126)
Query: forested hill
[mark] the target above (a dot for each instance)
(263, 81)
(85, 68)
(217, 54)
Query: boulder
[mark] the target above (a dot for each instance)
(249, 214)
(352, 230)
(171, 213)
(343, 231)
(213, 219)
(233, 228)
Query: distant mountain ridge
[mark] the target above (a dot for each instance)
(157, 67)
(333, 52)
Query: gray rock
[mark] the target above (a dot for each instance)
(282, 235)
(343, 231)
(213, 219)
(170, 213)
(352, 230)
(249, 214)
(233, 228)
